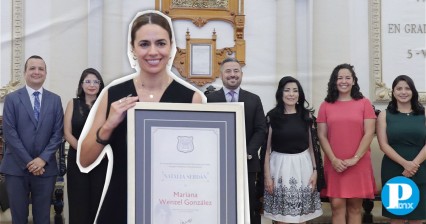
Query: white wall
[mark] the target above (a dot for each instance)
(303, 38)
(340, 35)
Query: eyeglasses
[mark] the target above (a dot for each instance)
(94, 82)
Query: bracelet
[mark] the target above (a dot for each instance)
(315, 168)
(356, 156)
(99, 140)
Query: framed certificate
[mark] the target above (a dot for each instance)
(201, 59)
(186, 163)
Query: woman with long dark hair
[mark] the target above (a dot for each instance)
(291, 171)
(401, 131)
(84, 189)
(346, 124)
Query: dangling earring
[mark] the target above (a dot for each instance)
(297, 102)
(133, 54)
(135, 59)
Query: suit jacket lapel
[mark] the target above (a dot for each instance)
(44, 105)
(222, 95)
(25, 99)
(242, 96)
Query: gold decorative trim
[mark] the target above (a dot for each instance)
(230, 11)
(182, 61)
(199, 22)
(17, 38)
(382, 93)
(209, 4)
(200, 11)
(240, 43)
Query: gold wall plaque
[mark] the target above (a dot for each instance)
(200, 12)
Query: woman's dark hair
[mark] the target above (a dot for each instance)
(149, 18)
(416, 106)
(89, 71)
(302, 106)
(333, 92)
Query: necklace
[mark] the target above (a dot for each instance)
(151, 95)
(406, 113)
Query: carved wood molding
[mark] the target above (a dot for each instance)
(17, 38)
(182, 61)
(201, 12)
(183, 68)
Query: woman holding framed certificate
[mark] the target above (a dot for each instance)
(151, 50)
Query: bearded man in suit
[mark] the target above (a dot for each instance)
(32, 130)
(255, 124)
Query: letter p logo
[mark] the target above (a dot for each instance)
(394, 195)
(400, 195)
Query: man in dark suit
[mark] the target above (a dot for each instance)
(33, 130)
(231, 75)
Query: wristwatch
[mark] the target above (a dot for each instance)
(249, 157)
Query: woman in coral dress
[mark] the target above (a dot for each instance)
(346, 125)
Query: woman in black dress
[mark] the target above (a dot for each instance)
(84, 189)
(151, 52)
(291, 168)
